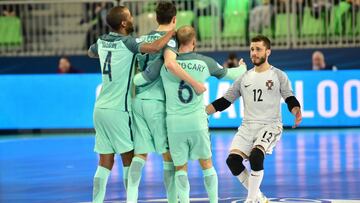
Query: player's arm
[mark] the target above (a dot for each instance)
(93, 51)
(291, 101)
(233, 73)
(176, 69)
(158, 44)
(218, 105)
(150, 74)
(294, 107)
(224, 102)
(228, 73)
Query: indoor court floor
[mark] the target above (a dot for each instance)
(308, 165)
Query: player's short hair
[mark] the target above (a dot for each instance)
(115, 16)
(262, 38)
(165, 11)
(185, 34)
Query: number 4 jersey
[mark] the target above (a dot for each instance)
(261, 93)
(185, 109)
(117, 55)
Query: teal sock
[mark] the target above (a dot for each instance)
(211, 184)
(169, 181)
(134, 177)
(125, 176)
(182, 186)
(100, 181)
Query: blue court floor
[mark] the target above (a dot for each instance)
(308, 165)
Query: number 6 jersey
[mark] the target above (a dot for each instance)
(184, 108)
(261, 93)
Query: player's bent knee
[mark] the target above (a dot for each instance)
(256, 159)
(234, 162)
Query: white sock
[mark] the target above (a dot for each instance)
(244, 178)
(255, 179)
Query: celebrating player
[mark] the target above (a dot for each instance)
(261, 89)
(112, 113)
(186, 118)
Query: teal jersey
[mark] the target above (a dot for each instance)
(117, 55)
(153, 90)
(181, 99)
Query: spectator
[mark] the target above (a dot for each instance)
(65, 66)
(96, 21)
(318, 62)
(260, 17)
(232, 61)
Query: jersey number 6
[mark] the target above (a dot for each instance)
(181, 89)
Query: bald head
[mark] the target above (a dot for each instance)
(318, 60)
(185, 35)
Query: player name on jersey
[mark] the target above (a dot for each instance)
(192, 66)
(110, 45)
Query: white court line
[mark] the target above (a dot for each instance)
(239, 200)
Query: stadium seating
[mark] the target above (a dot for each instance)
(146, 21)
(337, 17)
(311, 26)
(235, 19)
(206, 27)
(184, 18)
(10, 30)
(283, 21)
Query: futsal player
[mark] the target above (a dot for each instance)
(261, 88)
(112, 112)
(186, 118)
(149, 112)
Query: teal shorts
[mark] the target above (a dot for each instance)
(149, 126)
(186, 146)
(113, 131)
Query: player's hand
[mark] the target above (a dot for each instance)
(298, 117)
(241, 62)
(199, 88)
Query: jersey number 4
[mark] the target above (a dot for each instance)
(257, 95)
(184, 87)
(107, 65)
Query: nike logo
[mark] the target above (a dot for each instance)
(247, 86)
(254, 175)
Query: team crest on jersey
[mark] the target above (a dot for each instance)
(269, 84)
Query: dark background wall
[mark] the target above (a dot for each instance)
(343, 58)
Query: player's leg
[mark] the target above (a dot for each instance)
(169, 177)
(210, 179)
(256, 159)
(235, 163)
(201, 150)
(115, 135)
(142, 146)
(179, 150)
(155, 115)
(106, 153)
(134, 177)
(182, 183)
(102, 173)
(266, 139)
(239, 150)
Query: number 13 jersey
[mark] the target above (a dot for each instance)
(261, 93)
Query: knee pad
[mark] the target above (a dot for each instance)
(234, 162)
(256, 159)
